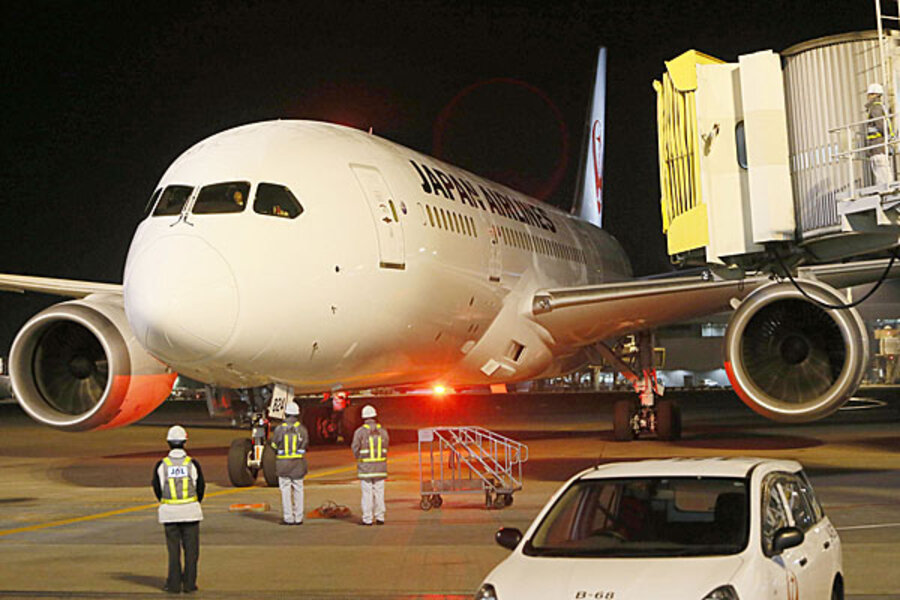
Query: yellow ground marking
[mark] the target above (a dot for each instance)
(131, 509)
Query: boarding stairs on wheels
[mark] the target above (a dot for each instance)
(464, 460)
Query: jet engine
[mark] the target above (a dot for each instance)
(77, 366)
(791, 359)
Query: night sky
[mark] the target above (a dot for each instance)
(99, 97)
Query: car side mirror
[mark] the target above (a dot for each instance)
(786, 537)
(509, 537)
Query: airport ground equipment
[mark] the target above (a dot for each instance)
(765, 172)
(469, 460)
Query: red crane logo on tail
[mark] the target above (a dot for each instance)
(597, 153)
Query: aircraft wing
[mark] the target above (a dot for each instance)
(581, 315)
(69, 288)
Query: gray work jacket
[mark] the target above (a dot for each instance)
(370, 447)
(290, 440)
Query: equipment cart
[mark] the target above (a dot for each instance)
(464, 460)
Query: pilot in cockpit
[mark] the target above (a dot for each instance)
(238, 197)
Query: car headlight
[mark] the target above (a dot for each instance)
(486, 592)
(725, 592)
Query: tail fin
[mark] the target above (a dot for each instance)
(588, 203)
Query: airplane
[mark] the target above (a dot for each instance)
(321, 258)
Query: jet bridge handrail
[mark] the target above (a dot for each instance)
(887, 141)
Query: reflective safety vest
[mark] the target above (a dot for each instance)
(177, 483)
(373, 459)
(873, 129)
(288, 447)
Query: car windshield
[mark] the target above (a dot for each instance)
(646, 517)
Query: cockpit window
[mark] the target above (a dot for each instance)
(171, 201)
(276, 200)
(151, 202)
(230, 197)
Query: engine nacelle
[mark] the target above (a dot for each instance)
(790, 359)
(77, 366)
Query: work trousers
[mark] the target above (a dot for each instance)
(372, 499)
(881, 168)
(187, 536)
(291, 499)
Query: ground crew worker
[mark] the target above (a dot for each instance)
(290, 440)
(179, 486)
(878, 156)
(370, 447)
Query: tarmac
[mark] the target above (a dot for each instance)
(78, 517)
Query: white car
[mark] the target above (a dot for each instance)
(691, 529)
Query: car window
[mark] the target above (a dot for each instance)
(219, 198)
(276, 200)
(794, 495)
(774, 515)
(811, 499)
(654, 516)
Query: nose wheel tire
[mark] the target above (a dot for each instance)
(238, 472)
(268, 464)
(668, 420)
(623, 413)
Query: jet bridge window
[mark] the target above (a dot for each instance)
(172, 200)
(277, 201)
(219, 198)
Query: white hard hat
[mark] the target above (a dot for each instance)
(875, 88)
(368, 412)
(176, 434)
(292, 409)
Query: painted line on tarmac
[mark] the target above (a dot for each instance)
(131, 509)
(876, 526)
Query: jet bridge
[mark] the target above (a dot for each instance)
(771, 151)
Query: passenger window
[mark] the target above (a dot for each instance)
(172, 200)
(151, 202)
(220, 198)
(277, 201)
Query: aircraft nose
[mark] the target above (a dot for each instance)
(181, 299)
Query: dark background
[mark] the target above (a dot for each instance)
(99, 97)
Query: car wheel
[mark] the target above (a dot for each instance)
(425, 503)
(837, 590)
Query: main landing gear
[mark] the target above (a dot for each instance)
(248, 456)
(649, 413)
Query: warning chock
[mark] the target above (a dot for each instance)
(329, 510)
(256, 507)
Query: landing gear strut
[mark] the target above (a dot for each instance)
(651, 414)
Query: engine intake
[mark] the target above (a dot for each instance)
(792, 360)
(77, 366)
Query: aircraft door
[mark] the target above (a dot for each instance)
(386, 215)
(495, 256)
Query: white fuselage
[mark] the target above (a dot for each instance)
(400, 268)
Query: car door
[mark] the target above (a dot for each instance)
(815, 572)
(779, 575)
